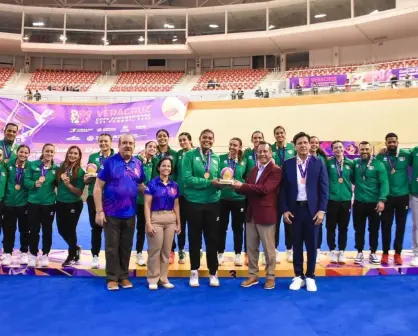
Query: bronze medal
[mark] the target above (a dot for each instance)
(340, 180)
(63, 176)
(393, 171)
(17, 186)
(42, 178)
(206, 175)
(6, 160)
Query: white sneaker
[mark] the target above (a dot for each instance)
(311, 285)
(140, 260)
(213, 280)
(318, 255)
(95, 262)
(24, 259)
(263, 258)
(220, 259)
(194, 279)
(44, 260)
(7, 260)
(333, 257)
(414, 261)
(297, 283)
(359, 258)
(167, 285)
(152, 286)
(277, 257)
(33, 260)
(289, 256)
(237, 260)
(341, 258)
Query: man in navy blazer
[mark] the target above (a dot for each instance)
(303, 198)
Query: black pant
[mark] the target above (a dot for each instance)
(203, 218)
(96, 230)
(338, 215)
(40, 216)
(181, 238)
(236, 209)
(394, 207)
(12, 217)
(68, 215)
(362, 212)
(304, 231)
(119, 234)
(140, 228)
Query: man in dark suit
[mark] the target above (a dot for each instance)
(261, 190)
(303, 198)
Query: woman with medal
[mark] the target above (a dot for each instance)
(340, 174)
(162, 221)
(39, 179)
(8, 144)
(251, 154)
(16, 207)
(70, 180)
(200, 176)
(316, 150)
(163, 151)
(94, 165)
(147, 160)
(282, 151)
(185, 142)
(232, 202)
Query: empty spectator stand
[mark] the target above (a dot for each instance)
(147, 81)
(5, 75)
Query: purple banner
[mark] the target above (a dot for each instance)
(65, 125)
(306, 82)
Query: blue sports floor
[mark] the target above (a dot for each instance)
(83, 234)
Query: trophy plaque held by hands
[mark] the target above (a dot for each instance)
(227, 176)
(91, 170)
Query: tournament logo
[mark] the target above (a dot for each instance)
(80, 117)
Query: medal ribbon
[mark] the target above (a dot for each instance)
(206, 162)
(281, 153)
(19, 174)
(101, 160)
(69, 172)
(303, 171)
(7, 152)
(339, 166)
(232, 163)
(392, 164)
(363, 171)
(43, 170)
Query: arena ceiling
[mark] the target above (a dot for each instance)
(128, 4)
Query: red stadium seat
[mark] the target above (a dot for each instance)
(147, 81)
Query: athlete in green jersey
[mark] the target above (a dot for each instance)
(8, 144)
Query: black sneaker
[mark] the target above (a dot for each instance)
(68, 262)
(77, 254)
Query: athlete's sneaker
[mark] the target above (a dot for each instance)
(359, 258)
(237, 260)
(311, 285)
(385, 259)
(373, 259)
(7, 261)
(414, 261)
(140, 259)
(69, 261)
(398, 259)
(220, 259)
(95, 262)
(24, 259)
(289, 256)
(213, 280)
(341, 258)
(194, 279)
(44, 260)
(33, 261)
(297, 283)
(182, 257)
(333, 257)
(77, 255)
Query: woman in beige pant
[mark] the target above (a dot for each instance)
(162, 217)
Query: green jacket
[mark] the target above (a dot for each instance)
(179, 171)
(340, 192)
(172, 154)
(398, 181)
(64, 194)
(95, 158)
(11, 148)
(45, 195)
(13, 197)
(228, 193)
(3, 180)
(414, 183)
(251, 159)
(197, 188)
(375, 186)
(289, 152)
(148, 168)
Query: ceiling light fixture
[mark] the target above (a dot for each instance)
(375, 11)
(63, 38)
(141, 39)
(38, 24)
(174, 39)
(213, 26)
(25, 38)
(318, 16)
(170, 26)
(272, 26)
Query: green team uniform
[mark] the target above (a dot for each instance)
(228, 193)
(64, 194)
(399, 180)
(282, 154)
(179, 171)
(251, 158)
(172, 154)
(323, 158)
(13, 197)
(375, 186)
(95, 158)
(197, 188)
(3, 180)
(414, 182)
(45, 195)
(340, 192)
(148, 167)
(11, 148)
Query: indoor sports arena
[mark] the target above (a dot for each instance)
(208, 167)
